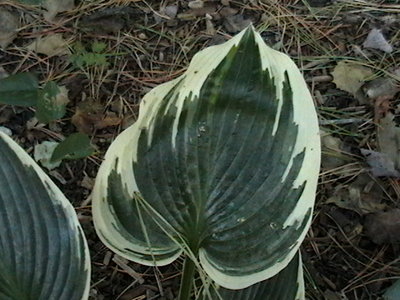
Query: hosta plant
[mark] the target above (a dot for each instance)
(43, 251)
(221, 167)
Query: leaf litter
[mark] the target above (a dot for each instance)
(155, 51)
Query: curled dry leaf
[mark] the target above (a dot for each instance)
(383, 227)
(9, 23)
(350, 77)
(51, 45)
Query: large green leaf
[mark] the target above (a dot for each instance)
(43, 250)
(19, 89)
(222, 164)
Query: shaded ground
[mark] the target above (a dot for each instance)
(118, 50)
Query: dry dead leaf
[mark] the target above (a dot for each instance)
(51, 45)
(54, 7)
(383, 227)
(9, 23)
(362, 196)
(376, 40)
(89, 117)
(380, 163)
(350, 77)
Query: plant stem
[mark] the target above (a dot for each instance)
(189, 269)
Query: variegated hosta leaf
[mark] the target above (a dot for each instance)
(43, 250)
(287, 284)
(223, 159)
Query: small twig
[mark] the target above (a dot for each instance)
(340, 121)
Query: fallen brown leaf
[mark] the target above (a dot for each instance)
(362, 196)
(90, 117)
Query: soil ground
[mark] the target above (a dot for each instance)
(351, 251)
